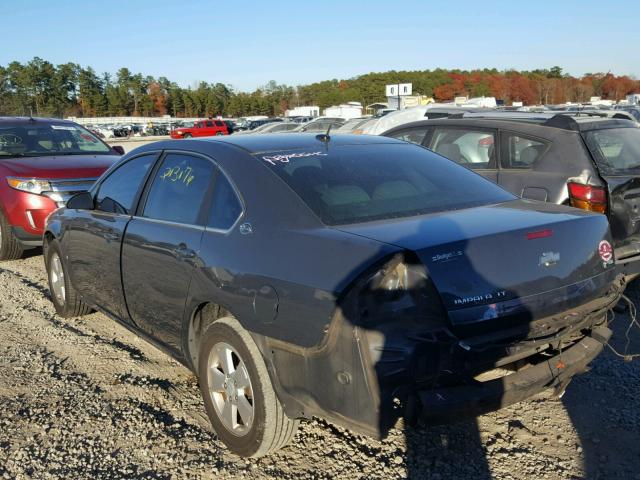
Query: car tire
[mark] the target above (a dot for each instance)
(10, 247)
(186, 135)
(219, 133)
(65, 298)
(266, 428)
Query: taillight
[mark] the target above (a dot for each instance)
(588, 197)
(396, 291)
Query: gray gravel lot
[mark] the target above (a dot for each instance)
(85, 398)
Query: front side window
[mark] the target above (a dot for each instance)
(353, 184)
(521, 152)
(118, 191)
(179, 188)
(48, 139)
(226, 207)
(209, 124)
(616, 150)
(471, 148)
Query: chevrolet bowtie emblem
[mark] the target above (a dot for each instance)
(549, 259)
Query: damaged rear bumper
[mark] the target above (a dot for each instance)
(444, 405)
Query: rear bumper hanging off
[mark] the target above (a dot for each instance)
(450, 404)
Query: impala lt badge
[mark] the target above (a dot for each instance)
(549, 259)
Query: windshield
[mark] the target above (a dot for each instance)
(48, 139)
(353, 184)
(616, 150)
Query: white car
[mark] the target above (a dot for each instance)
(377, 126)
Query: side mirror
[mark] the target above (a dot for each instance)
(118, 149)
(81, 201)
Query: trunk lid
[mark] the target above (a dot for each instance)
(522, 257)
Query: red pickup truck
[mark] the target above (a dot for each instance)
(43, 162)
(200, 128)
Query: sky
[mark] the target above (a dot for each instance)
(247, 43)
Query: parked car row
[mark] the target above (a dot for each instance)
(107, 131)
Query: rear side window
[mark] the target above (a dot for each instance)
(469, 147)
(117, 192)
(226, 206)
(521, 152)
(414, 135)
(209, 124)
(179, 188)
(616, 150)
(353, 184)
(219, 124)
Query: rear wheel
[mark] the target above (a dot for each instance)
(65, 298)
(219, 133)
(238, 396)
(10, 247)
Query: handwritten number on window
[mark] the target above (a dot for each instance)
(177, 174)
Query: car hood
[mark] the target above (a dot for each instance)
(59, 166)
(522, 254)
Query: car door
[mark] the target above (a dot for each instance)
(519, 157)
(95, 235)
(471, 147)
(209, 128)
(162, 244)
(221, 127)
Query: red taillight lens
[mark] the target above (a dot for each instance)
(588, 197)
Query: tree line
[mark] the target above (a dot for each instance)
(40, 88)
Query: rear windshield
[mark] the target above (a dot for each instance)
(353, 184)
(616, 150)
(48, 139)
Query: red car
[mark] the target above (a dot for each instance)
(201, 128)
(43, 162)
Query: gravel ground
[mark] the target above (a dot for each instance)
(85, 398)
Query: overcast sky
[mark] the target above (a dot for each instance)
(247, 43)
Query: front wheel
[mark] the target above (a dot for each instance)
(65, 299)
(238, 396)
(186, 135)
(219, 133)
(10, 248)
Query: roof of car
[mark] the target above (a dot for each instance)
(27, 120)
(272, 142)
(569, 121)
(292, 141)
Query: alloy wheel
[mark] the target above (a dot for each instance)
(56, 275)
(230, 389)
